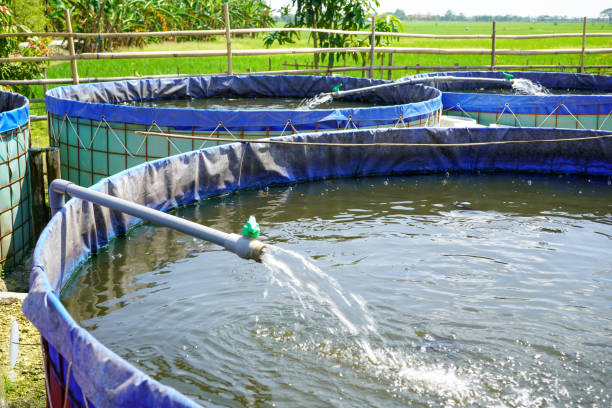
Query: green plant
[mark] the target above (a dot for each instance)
(348, 15)
(9, 46)
(112, 16)
(31, 13)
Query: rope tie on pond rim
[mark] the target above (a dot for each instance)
(349, 121)
(285, 128)
(555, 110)
(387, 144)
(400, 120)
(108, 127)
(44, 361)
(429, 117)
(84, 398)
(67, 384)
(464, 112)
(154, 124)
(25, 344)
(75, 133)
(575, 118)
(96, 133)
(219, 125)
(56, 139)
(241, 161)
(605, 120)
(501, 114)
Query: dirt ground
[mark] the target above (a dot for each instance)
(28, 388)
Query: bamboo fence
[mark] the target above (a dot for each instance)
(372, 50)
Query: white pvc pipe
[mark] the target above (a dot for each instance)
(244, 247)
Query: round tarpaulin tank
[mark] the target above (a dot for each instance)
(97, 135)
(577, 101)
(82, 372)
(15, 194)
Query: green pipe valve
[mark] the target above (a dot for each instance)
(251, 228)
(507, 75)
(336, 88)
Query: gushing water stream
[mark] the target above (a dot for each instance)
(317, 293)
(313, 102)
(524, 86)
(520, 86)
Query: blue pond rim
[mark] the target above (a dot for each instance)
(94, 101)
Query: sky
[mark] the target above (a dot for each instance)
(584, 8)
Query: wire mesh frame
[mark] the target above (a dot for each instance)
(17, 240)
(83, 142)
(560, 113)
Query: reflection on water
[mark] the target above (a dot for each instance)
(463, 290)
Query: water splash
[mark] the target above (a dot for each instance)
(524, 86)
(319, 295)
(311, 103)
(316, 290)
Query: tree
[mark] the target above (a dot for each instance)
(607, 13)
(399, 13)
(332, 14)
(10, 47)
(29, 13)
(448, 16)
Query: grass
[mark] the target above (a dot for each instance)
(28, 388)
(99, 68)
(38, 131)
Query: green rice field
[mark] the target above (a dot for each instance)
(100, 68)
(208, 65)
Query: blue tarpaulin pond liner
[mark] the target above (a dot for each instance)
(15, 193)
(572, 111)
(88, 374)
(97, 136)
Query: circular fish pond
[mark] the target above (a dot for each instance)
(98, 127)
(15, 191)
(471, 286)
(537, 99)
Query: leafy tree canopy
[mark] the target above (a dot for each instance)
(607, 13)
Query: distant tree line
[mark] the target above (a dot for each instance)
(605, 15)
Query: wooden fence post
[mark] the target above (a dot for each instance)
(382, 64)
(390, 73)
(73, 62)
(315, 44)
(372, 42)
(228, 36)
(584, 27)
(40, 211)
(45, 85)
(493, 48)
(53, 164)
